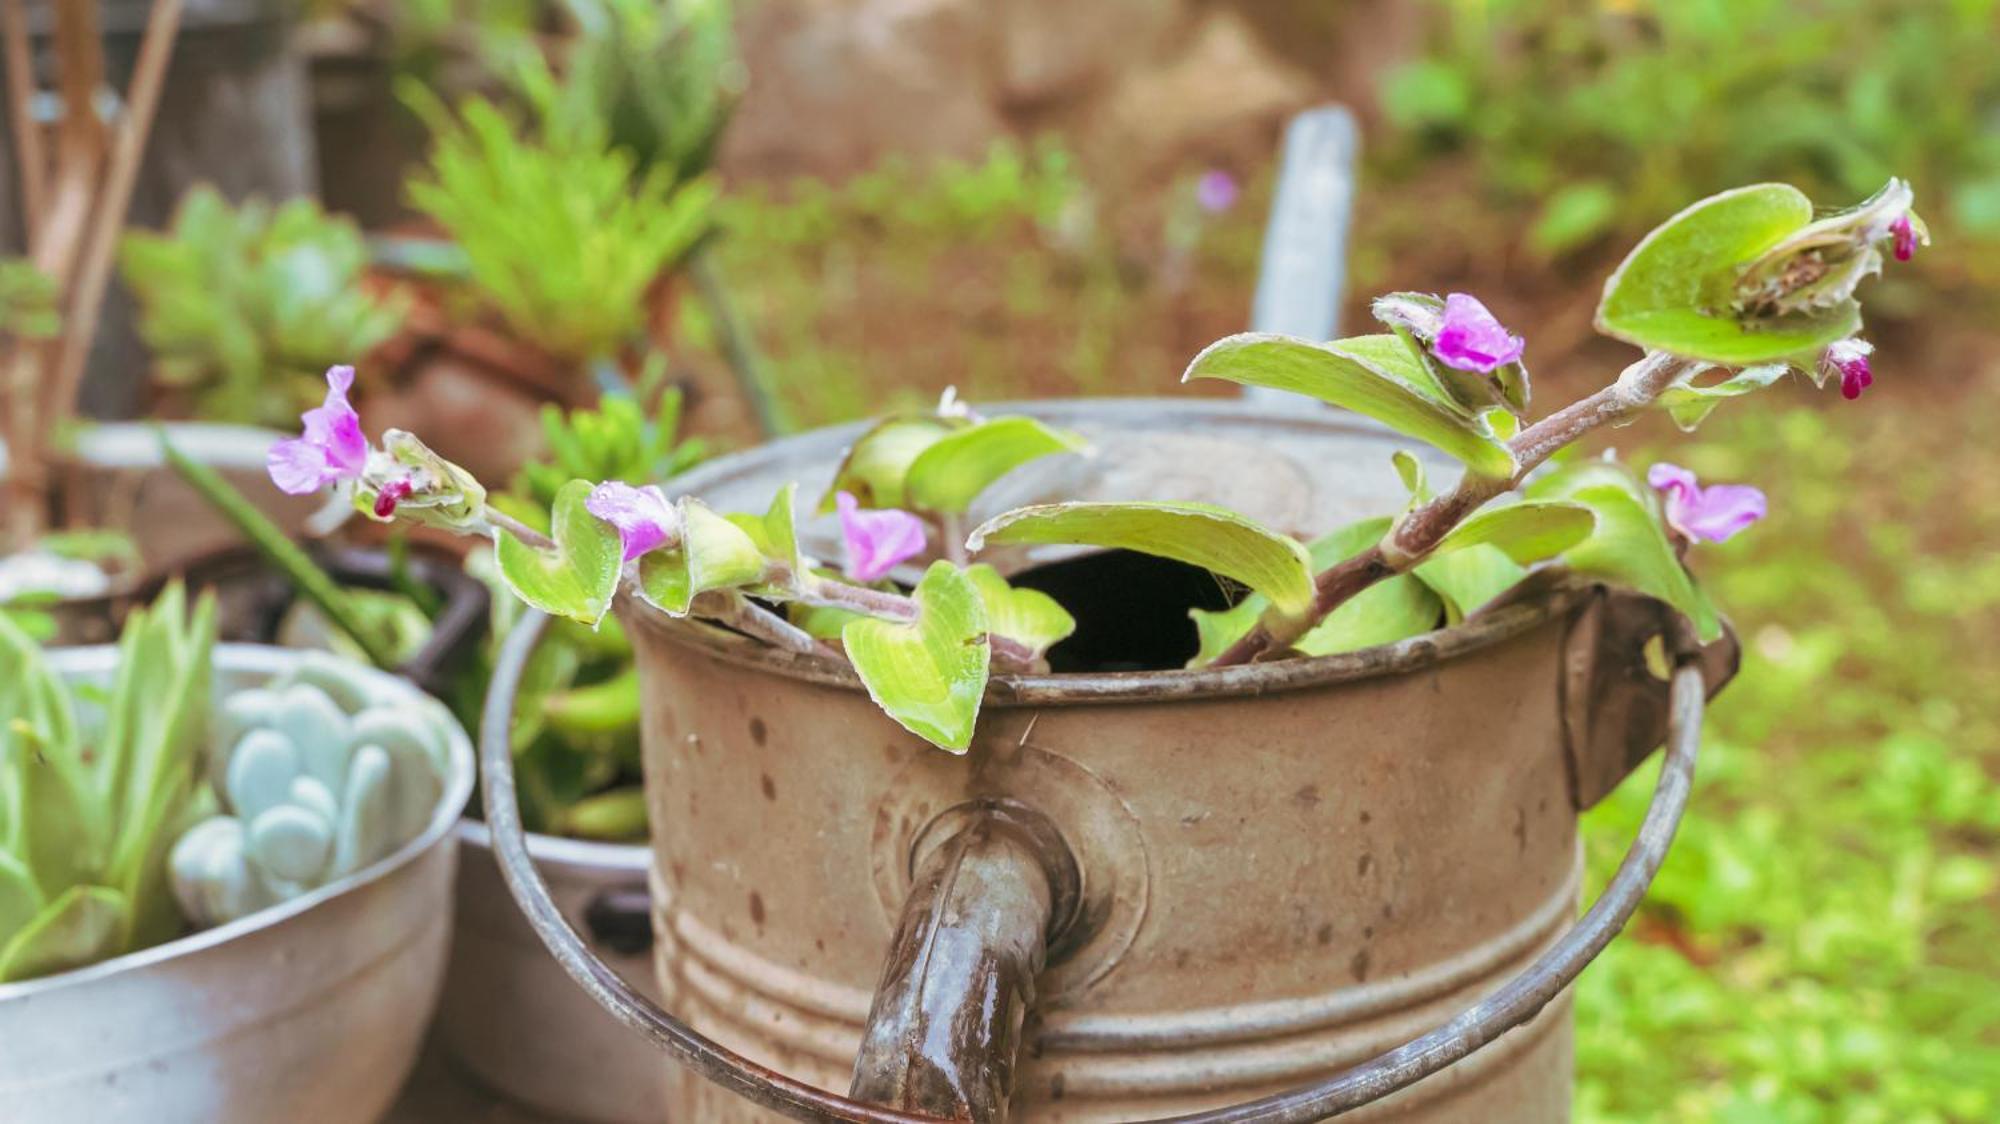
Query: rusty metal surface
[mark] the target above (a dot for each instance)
(943, 1032)
(1286, 869)
(1614, 710)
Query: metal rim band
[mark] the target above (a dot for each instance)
(1513, 1004)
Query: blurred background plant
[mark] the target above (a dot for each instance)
(245, 307)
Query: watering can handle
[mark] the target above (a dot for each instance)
(1513, 1004)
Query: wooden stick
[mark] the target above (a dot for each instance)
(142, 100)
(20, 106)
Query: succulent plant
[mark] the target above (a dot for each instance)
(90, 797)
(322, 772)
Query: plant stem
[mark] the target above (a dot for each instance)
(951, 535)
(518, 529)
(1415, 537)
(739, 348)
(313, 582)
(1008, 654)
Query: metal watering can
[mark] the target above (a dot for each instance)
(1276, 892)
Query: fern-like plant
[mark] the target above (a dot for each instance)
(562, 234)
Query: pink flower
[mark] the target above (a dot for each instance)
(1905, 233)
(1850, 358)
(1470, 339)
(876, 541)
(644, 517)
(1714, 513)
(1216, 191)
(332, 447)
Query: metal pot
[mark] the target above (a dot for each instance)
(1140, 894)
(512, 1019)
(311, 1010)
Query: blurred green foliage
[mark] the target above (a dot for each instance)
(1821, 946)
(1603, 115)
(245, 307)
(562, 234)
(27, 301)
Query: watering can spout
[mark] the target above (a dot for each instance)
(994, 885)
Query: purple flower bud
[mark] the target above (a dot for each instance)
(1470, 339)
(876, 542)
(1216, 191)
(644, 517)
(1715, 513)
(331, 448)
(1905, 233)
(392, 493)
(1850, 358)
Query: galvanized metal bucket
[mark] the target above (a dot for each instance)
(513, 1019)
(1275, 892)
(311, 1010)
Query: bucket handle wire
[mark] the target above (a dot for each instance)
(1513, 1004)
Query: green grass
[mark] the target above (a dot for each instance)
(1823, 943)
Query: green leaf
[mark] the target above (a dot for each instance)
(1629, 545)
(1371, 375)
(20, 898)
(578, 577)
(1674, 291)
(947, 476)
(1213, 538)
(1028, 616)
(1390, 610)
(1527, 532)
(1689, 405)
(879, 461)
(80, 927)
(776, 533)
(1217, 630)
(928, 674)
(1467, 579)
(715, 553)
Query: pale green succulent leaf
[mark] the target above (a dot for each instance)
(1216, 630)
(1529, 531)
(715, 552)
(1393, 609)
(1372, 375)
(878, 463)
(1689, 404)
(578, 577)
(929, 674)
(1629, 545)
(948, 475)
(1468, 578)
(1213, 538)
(1027, 616)
(1674, 291)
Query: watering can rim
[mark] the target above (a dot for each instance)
(264, 661)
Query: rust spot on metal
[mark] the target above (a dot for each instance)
(1325, 934)
(1056, 1087)
(1366, 817)
(769, 786)
(759, 733)
(1307, 796)
(1358, 966)
(1363, 865)
(757, 908)
(1521, 829)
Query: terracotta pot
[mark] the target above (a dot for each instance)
(310, 1010)
(1139, 894)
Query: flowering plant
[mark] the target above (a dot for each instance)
(1724, 299)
